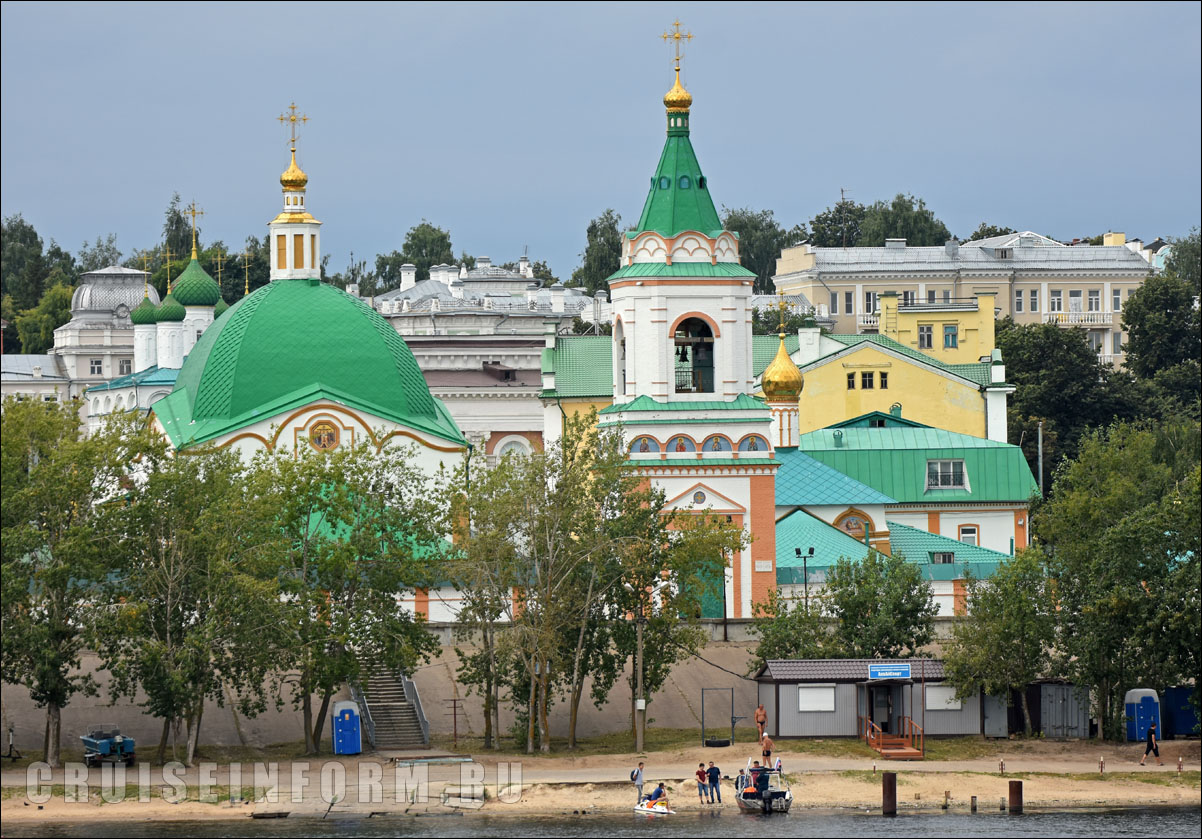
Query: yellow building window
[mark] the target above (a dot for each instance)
(281, 252)
(298, 250)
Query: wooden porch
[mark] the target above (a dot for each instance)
(910, 744)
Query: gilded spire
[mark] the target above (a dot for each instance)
(246, 255)
(781, 381)
(167, 254)
(677, 100)
(293, 179)
(194, 211)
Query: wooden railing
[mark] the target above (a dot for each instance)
(870, 732)
(913, 733)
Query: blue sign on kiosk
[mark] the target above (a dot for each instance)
(888, 671)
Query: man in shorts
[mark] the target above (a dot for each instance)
(766, 744)
(1153, 747)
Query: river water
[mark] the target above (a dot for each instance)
(1151, 821)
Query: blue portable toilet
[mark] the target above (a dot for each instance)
(346, 729)
(1143, 709)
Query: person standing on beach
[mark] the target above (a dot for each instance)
(761, 719)
(1152, 748)
(702, 783)
(715, 776)
(637, 778)
(766, 744)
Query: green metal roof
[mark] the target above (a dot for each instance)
(290, 343)
(682, 269)
(763, 350)
(918, 546)
(221, 308)
(742, 402)
(802, 530)
(170, 310)
(893, 461)
(143, 313)
(803, 481)
(865, 421)
(195, 287)
(582, 364)
(679, 198)
(150, 376)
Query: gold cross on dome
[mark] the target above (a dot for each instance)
(246, 257)
(676, 36)
(146, 271)
(292, 118)
(219, 261)
(167, 254)
(782, 307)
(194, 211)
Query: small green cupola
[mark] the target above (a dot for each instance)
(679, 198)
(221, 308)
(144, 313)
(195, 287)
(170, 310)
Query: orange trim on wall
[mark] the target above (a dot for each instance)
(933, 523)
(700, 316)
(959, 598)
(960, 531)
(1021, 519)
(649, 281)
(421, 602)
(763, 548)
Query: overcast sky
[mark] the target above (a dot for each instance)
(512, 125)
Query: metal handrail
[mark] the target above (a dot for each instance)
(368, 723)
(415, 700)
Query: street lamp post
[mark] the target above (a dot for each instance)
(640, 703)
(805, 572)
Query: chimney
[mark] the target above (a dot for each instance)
(37, 371)
(895, 243)
(463, 271)
(808, 344)
(408, 276)
(524, 267)
(952, 247)
(997, 367)
(457, 288)
(532, 295)
(895, 410)
(1111, 239)
(484, 262)
(557, 297)
(838, 439)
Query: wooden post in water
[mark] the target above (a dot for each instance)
(889, 793)
(1016, 798)
(973, 806)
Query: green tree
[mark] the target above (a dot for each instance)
(1005, 641)
(1185, 259)
(1163, 327)
(761, 239)
(57, 487)
(101, 254)
(177, 231)
(791, 629)
(28, 286)
(425, 246)
(987, 231)
(1118, 532)
(195, 609)
(602, 254)
(766, 321)
(36, 326)
(8, 312)
(18, 243)
(838, 226)
(905, 217)
(353, 530)
(882, 606)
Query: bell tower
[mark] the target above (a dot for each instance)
(294, 236)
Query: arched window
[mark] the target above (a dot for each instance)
(693, 348)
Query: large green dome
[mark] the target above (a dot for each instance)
(289, 344)
(195, 287)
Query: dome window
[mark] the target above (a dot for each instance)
(665, 182)
(701, 182)
(684, 182)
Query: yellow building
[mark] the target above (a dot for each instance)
(954, 332)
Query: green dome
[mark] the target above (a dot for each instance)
(220, 308)
(289, 344)
(143, 313)
(170, 310)
(195, 287)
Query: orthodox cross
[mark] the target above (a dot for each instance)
(676, 36)
(246, 255)
(194, 211)
(292, 118)
(782, 307)
(146, 273)
(219, 261)
(167, 255)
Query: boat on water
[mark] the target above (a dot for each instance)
(654, 808)
(775, 797)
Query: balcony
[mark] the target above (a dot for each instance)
(872, 321)
(1079, 318)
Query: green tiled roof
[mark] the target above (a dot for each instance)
(918, 546)
(683, 269)
(978, 373)
(195, 287)
(221, 308)
(742, 402)
(679, 198)
(170, 310)
(802, 530)
(291, 343)
(893, 461)
(582, 364)
(803, 481)
(763, 350)
(143, 313)
(150, 376)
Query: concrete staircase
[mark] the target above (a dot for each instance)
(395, 716)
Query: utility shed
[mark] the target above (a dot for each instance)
(847, 697)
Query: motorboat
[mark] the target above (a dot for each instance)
(776, 798)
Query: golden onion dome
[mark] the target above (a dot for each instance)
(678, 100)
(781, 381)
(294, 177)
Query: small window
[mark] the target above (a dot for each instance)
(1095, 300)
(701, 182)
(931, 296)
(945, 474)
(684, 182)
(866, 380)
(876, 423)
(947, 296)
(1117, 301)
(968, 534)
(884, 380)
(943, 558)
(1117, 338)
(1056, 301)
(847, 310)
(925, 337)
(665, 182)
(951, 337)
(834, 302)
(126, 366)
(870, 302)
(851, 381)
(95, 366)
(942, 698)
(1018, 301)
(907, 298)
(1034, 298)
(815, 698)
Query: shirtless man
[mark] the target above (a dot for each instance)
(766, 744)
(761, 719)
